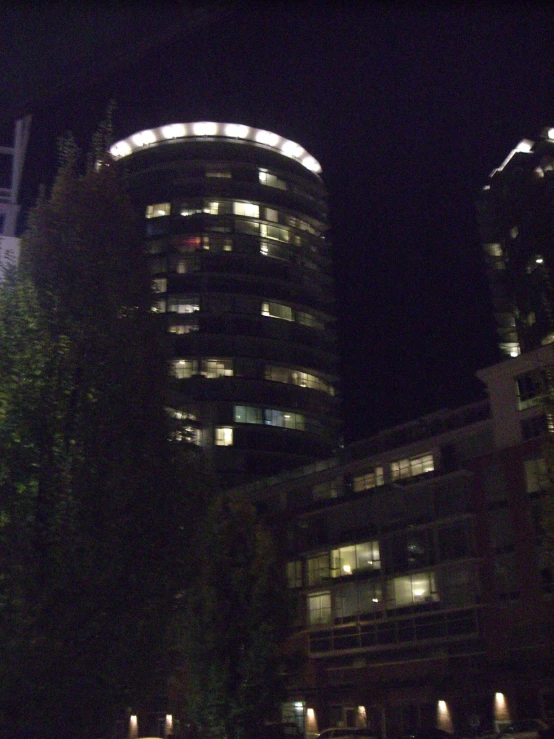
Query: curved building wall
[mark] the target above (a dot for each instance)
(235, 234)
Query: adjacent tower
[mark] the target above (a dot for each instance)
(516, 218)
(235, 225)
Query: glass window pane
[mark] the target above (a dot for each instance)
(319, 608)
(158, 209)
(223, 436)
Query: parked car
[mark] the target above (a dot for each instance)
(530, 728)
(430, 733)
(342, 732)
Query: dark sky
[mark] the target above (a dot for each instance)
(407, 106)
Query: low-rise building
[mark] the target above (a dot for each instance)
(420, 568)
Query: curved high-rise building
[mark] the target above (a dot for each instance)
(235, 226)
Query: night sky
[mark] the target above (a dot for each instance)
(408, 107)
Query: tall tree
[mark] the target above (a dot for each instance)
(96, 504)
(236, 616)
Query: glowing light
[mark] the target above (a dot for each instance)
(444, 719)
(501, 711)
(375, 600)
(290, 149)
(143, 138)
(550, 133)
(539, 260)
(168, 724)
(172, 131)
(133, 727)
(236, 130)
(204, 128)
(310, 163)
(267, 138)
(311, 721)
(121, 149)
(347, 569)
(419, 593)
(525, 145)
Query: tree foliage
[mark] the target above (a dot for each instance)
(236, 616)
(96, 504)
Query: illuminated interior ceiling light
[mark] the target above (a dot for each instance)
(347, 569)
(236, 130)
(375, 600)
(539, 260)
(204, 128)
(550, 134)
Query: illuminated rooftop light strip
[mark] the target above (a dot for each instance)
(201, 129)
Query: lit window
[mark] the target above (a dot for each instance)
(294, 573)
(184, 265)
(182, 328)
(248, 227)
(318, 568)
(277, 310)
(327, 490)
(189, 211)
(369, 480)
(184, 368)
(354, 598)
(271, 180)
(212, 208)
(223, 436)
(319, 608)
(212, 368)
(217, 244)
(355, 558)
(296, 377)
(157, 210)
(159, 285)
(181, 304)
(412, 589)
(219, 173)
(248, 414)
(279, 233)
(184, 426)
(405, 468)
(250, 210)
(284, 419)
(272, 215)
(186, 244)
(494, 250)
(308, 319)
(159, 306)
(275, 250)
